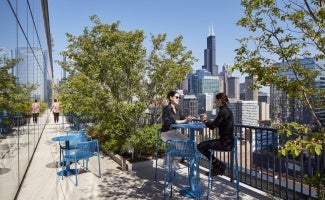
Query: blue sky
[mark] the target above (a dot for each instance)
(189, 18)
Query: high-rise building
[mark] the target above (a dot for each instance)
(210, 54)
(184, 85)
(205, 86)
(245, 112)
(203, 82)
(264, 108)
(250, 95)
(264, 111)
(225, 74)
(189, 105)
(295, 111)
(233, 88)
(192, 83)
(263, 97)
(242, 91)
(209, 84)
(205, 103)
(30, 71)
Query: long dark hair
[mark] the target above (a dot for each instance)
(171, 94)
(223, 97)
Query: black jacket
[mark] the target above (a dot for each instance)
(225, 122)
(169, 117)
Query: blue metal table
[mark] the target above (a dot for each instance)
(192, 126)
(195, 189)
(66, 138)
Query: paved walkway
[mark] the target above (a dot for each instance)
(42, 181)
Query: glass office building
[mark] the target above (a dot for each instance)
(296, 112)
(28, 71)
(25, 35)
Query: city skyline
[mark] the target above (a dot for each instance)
(193, 21)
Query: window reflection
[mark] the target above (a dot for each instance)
(22, 45)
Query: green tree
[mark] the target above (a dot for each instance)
(169, 64)
(14, 97)
(20, 102)
(109, 77)
(7, 82)
(284, 32)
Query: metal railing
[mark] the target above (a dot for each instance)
(262, 168)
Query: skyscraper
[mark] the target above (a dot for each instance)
(245, 112)
(226, 73)
(190, 105)
(31, 70)
(296, 111)
(210, 54)
(233, 88)
(250, 95)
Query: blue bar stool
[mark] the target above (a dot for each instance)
(182, 149)
(159, 143)
(233, 152)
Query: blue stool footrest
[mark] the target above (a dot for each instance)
(233, 167)
(183, 149)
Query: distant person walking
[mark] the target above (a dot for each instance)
(56, 110)
(35, 111)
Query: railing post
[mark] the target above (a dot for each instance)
(124, 166)
(231, 174)
(63, 119)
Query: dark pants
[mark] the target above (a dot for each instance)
(35, 116)
(204, 147)
(56, 117)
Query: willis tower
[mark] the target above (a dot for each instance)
(210, 54)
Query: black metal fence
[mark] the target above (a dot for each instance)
(262, 168)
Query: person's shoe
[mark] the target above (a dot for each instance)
(214, 172)
(219, 168)
(222, 168)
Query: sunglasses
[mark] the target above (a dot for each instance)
(177, 97)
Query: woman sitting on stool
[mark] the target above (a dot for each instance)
(225, 122)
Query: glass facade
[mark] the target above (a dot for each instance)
(296, 112)
(209, 84)
(25, 37)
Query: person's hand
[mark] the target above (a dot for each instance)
(203, 117)
(189, 118)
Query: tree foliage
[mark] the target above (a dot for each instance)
(168, 65)
(112, 77)
(7, 82)
(14, 97)
(284, 32)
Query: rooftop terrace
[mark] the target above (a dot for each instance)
(42, 181)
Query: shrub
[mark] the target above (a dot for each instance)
(144, 142)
